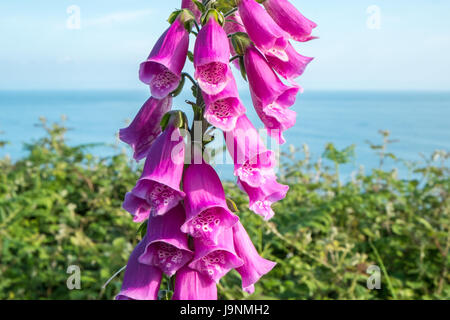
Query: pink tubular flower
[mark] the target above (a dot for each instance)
(207, 213)
(262, 30)
(141, 282)
(252, 160)
(276, 120)
(162, 70)
(192, 285)
(262, 198)
(254, 266)
(211, 58)
(292, 68)
(159, 183)
(217, 260)
(145, 127)
(290, 19)
(232, 25)
(166, 246)
(188, 4)
(223, 109)
(271, 97)
(137, 207)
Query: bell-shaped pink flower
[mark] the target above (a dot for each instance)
(262, 30)
(211, 58)
(145, 127)
(207, 213)
(223, 109)
(167, 247)
(275, 119)
(290, 19)
(159, 183)
(254, 266)
(252, 160)
(292, 68)
(189, 4)
(139, 208)
(271, 97)
(232, 25)
(162, 70)
(192, 285)
(215, 261)
(262, 197)
(140, 282)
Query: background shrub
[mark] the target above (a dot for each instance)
(61, 206)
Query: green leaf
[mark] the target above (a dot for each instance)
(242, 68)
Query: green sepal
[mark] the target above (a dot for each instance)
(190, 56)
(173, 16)
(180, 87)
(213, 13)
(232, 205)
(186, 17)
(142, 230)
(177, 117)
(241, 42)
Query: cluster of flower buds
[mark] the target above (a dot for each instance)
(192, 232)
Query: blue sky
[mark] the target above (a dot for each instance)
(410, 51)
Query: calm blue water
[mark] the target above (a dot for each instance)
(420, 121)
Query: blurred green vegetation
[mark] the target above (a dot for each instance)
(61, 206)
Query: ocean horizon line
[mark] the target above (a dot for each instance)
(438, 91)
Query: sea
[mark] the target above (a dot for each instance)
(418, 122)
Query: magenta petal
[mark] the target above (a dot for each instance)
(211, 58)
(167, 247)
(224, 108)
(140, 282)
(263, 31)
(254, 266)
(145, 127)
(137, 207)
(265, 84)
(290, 19)
(292, 68)
(192, 285)
(275, 119)
(207, 213)
(232, 25)
(217, 260)
(271, 97)
(159, 183)
(251, 157)
(162, 69)
(262, 198)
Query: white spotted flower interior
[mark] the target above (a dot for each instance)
(215, 261)
(167, 247)
(223, 109)
(211, 58)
